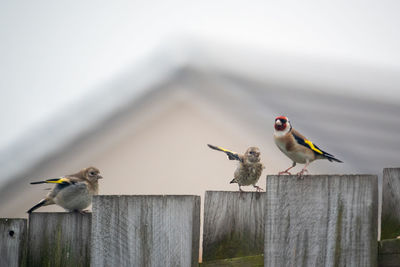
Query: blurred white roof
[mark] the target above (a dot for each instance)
(54, 54)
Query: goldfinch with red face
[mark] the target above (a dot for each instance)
(72, 192)
(298, 148)
(249, 170)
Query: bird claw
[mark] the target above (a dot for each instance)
(300, 175)
(258, 189)
(82, 211)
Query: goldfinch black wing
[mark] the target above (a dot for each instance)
(231, 155)
(307, 143)
(60, 180)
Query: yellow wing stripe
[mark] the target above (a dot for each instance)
(59, 181)
(226, 150)
(311, 145)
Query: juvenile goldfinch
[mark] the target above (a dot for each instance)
(72, 192)
(249, 169)
(298, 148)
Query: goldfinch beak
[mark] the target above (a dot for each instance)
(278, 122)
(99, 177)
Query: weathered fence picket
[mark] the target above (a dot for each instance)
(59, 239)
(321, 220)
(13, 236)
(145, 231)
(390, 223)
(233, 224)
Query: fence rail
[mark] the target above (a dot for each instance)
(322, 220)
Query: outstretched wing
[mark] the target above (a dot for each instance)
(231, 155)
(307, 143)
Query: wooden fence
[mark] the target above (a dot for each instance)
(391, 203)
(13, 235)
(59, 239)
(233, 225)
(145, 231)
(322, 220)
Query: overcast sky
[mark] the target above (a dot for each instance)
(53, 53)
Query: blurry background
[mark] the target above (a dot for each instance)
(138, 88)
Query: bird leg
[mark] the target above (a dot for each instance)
(287, 170)
(300, 175)
(258, 189)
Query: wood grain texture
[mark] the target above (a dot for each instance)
(13, 236)
(390, 223)
(321, 220)
(389, 253)
(233, 224)
(59, 239)
(145, 231)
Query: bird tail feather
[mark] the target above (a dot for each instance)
(332, 158)
(41, 203)
(40, 182)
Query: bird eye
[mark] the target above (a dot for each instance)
(92, 173)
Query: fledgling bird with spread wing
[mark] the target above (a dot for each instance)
(298, 148)
(72, 192)
(249, 170)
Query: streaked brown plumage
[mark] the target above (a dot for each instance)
(249, 170)
(297, 147)
(72, 192)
